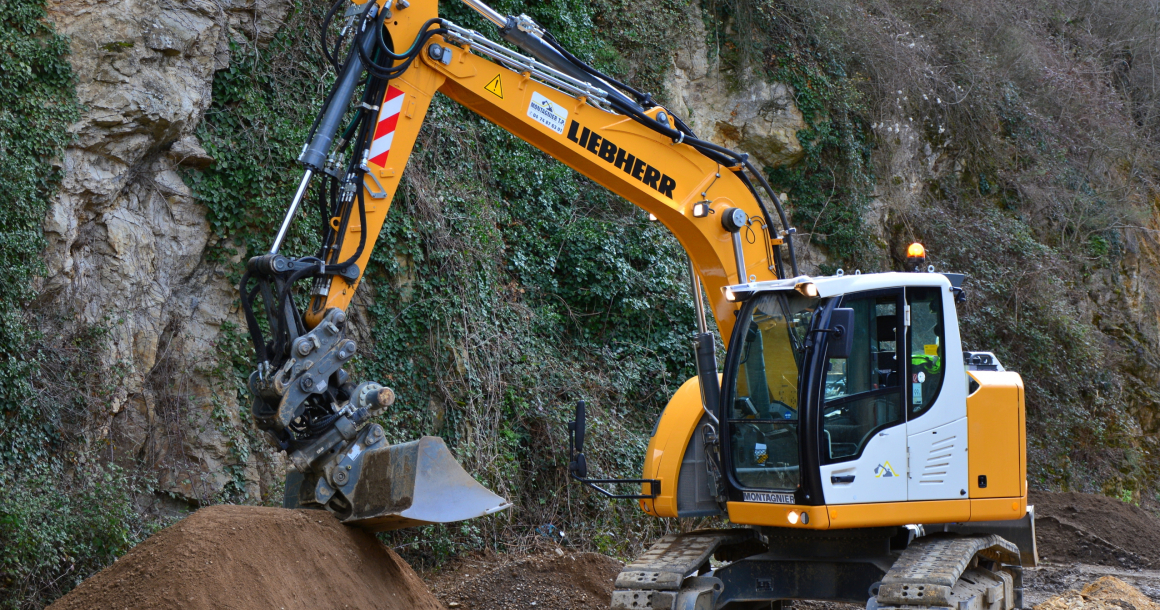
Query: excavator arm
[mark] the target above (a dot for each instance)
(704, 194)
(576, 127)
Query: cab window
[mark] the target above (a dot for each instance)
(863, 392)
(927, 348)
(763, 417)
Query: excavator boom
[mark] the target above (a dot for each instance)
(400, 55)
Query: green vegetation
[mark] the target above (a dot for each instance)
(830, 188)
(951, 116)
(1038, 196)
(63, 514)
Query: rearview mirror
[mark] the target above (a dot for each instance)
(578, 466)
(576, 462)
(841, 341)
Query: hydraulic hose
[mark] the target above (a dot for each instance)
(640, 97)
(322, 34)
(549, 55)
(548, 50)
(389, 72)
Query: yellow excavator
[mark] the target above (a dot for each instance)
(856, 458)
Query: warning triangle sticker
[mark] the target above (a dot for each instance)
(495, 87)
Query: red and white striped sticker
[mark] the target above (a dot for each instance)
(385, 130)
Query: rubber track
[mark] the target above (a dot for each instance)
(927, 570)
(653, 580)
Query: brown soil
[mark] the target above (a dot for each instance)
(1107, 593)
(1091, 529)
(556, 580)
(251, 558)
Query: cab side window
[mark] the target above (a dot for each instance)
(927, 348)
(862, 392)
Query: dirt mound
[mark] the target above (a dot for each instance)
(1085, 528)
(555, 581)
(251, 558)
(1107, 593)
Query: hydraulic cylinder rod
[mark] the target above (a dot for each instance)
(314, 156)
(487, 12)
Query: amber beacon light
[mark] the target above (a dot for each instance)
(915, 256)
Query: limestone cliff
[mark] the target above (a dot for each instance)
(127, 237)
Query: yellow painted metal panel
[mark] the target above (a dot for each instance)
(418, 85)
(998, 509)
(898, 513)
(777, 515)
(848, 516)
(996, 435)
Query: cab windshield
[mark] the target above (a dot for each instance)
(763, 418)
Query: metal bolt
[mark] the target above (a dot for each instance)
(383, 398)
(340, 477)
(307, 383)
(662, 118)
(303, 346)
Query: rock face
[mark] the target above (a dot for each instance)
(753, 116)
(126, 238)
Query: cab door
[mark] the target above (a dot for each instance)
(863, 423)
(936, 399)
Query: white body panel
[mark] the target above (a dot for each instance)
(938, 463)
(879, 473)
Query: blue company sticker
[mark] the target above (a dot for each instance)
(547, 113)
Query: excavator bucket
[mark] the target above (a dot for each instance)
(408, 485)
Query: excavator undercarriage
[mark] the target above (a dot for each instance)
(890, 567)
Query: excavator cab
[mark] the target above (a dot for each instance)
(821, 394)
(839, 405)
